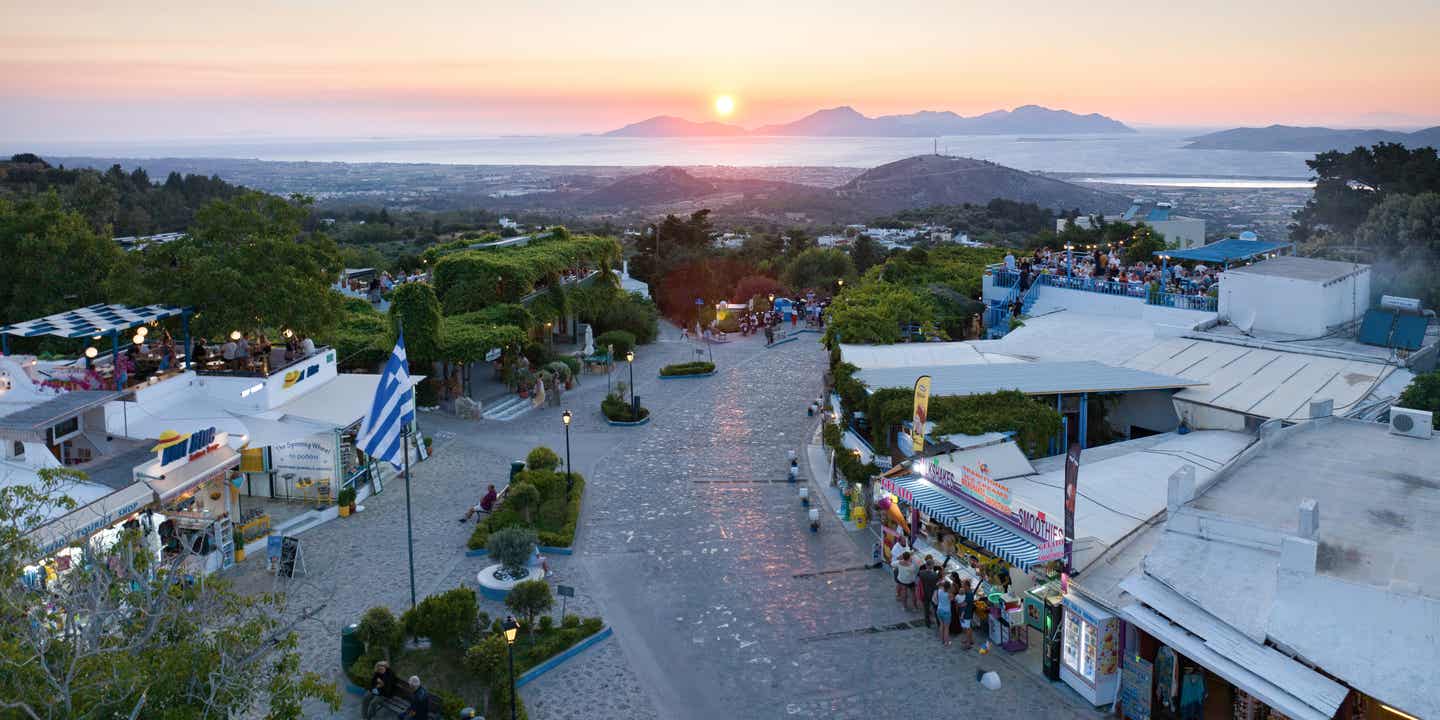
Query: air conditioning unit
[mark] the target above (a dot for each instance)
(1411, 423)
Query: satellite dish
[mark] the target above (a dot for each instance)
(1249, 236)
(1246, 321)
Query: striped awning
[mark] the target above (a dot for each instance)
(1004, 543)
(98, 319)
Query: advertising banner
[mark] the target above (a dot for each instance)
(917, 418)
(1072, 482)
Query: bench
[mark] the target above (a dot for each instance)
(400, 702)
(499, 500)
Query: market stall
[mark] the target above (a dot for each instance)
(194, 477)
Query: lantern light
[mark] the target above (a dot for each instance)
(91, 352)
(234, 334)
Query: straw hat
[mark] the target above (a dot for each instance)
(169, 438)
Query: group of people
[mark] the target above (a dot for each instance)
(1102, 266)
(921, 584)
(245, 355)
(421, 704)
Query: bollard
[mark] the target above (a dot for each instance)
(804, 497)
(814, 520)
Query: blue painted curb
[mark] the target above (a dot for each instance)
(554, 662)
(498, 595)
(782, 341)
(481, 552)
(352, 688)
(682, 377)
(621, 423)
(811, 330)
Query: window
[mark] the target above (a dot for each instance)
(18, 450)
(64, 430)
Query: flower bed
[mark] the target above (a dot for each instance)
(690, 369)
(546, 511)
(616, 410)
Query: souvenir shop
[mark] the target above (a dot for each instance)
(960, 515)
(93, 527)
(196, 482)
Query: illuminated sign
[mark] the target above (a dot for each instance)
(977, 485)
(193, 446)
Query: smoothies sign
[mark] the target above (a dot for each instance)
(995, 496)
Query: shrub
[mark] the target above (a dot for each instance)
(573, 363)
(591, 625)
(632, 313)
(550, 484)
(616, 408)
(560, 369)
(623, 341)
(346, 497)
(523, 497)
(359, 672)
(512, 546)
(381, 632)
(542, 458)
(447, 619)
(552, 512)
(690, 368)
(546, 623)
(487, 658)
(1423, 393)
(530, 598)
(570, 621)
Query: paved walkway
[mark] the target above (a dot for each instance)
(691, 545)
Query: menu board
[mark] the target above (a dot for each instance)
(1071, 641)
(1088, 653)
(1136, 676)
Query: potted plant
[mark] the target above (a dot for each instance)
(239, 546)
(347, 501)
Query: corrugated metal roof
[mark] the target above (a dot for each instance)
(918, 355)
(1267, 383)
(1040, 378)
(64, 406)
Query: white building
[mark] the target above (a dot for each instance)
(1303, 297)
(1187, 231)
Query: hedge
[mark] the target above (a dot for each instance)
(616, 409)
(690, 368)
(473, 279)
(622, 340)
(555, 520)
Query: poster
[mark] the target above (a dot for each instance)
(312, 457)
(1136, 680)
(918, 417)
(1072, 482)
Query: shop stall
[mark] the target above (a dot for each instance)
(194, 477)
(63, 543)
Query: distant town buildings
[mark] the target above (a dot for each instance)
(1187, 231)
(892, 238)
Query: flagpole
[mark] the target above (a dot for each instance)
(405, 442)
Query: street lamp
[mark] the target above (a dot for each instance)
(565, 417)
(512, 629)
(630, 359)
(549, 337)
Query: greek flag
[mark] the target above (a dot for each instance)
(392, 409)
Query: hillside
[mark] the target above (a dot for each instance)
(666, 184)
(1287, 138)
(845, 121)
(670, 126)
(926, 180)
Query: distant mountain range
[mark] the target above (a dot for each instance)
(1309, 139)
(845, 121)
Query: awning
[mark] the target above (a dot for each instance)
(1002, 542)
(88, 519)
(98, 319)
(1225, 251)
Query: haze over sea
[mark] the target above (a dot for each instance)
(1150, 152)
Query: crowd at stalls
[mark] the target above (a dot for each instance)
(1108, 267)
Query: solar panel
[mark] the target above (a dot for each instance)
(1409, 331)
(1375, 328)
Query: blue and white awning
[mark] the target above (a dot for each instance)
(97, 319)
(1004, 543)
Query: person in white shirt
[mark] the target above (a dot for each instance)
(1010, 262)
(227, 351)
(307, 347)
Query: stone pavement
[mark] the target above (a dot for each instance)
(691, 545)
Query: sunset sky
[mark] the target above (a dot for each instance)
(143, 69)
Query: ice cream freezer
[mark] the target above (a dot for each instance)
(1090, 650)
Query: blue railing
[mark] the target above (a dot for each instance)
(1085, 284)
(1004, 278)
(1203, 303)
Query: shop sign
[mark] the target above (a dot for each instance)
(1053, 549)
(900, 492)
(1136, 687)
(304, 455)
(195, 445)
(293, 377)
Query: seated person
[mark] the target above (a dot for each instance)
(486, 505)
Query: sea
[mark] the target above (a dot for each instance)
(1155, 156)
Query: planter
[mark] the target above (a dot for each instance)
(344, 511)
(495, 584)
(629, 423)
(239, 554)
(691, 375)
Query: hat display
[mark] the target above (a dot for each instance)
(169, 438)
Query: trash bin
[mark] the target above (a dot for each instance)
(635, 406)
(516, 467)
(351, 648)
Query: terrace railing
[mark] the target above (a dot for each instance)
(257, 366)
(1204, 303)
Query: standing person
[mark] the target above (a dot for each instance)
(942, 600)
(906, 572)
(929, 577)
(382, 685)
(419, 701)
(966, 600)
(955, 628)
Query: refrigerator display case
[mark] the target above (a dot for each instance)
(1090, 650)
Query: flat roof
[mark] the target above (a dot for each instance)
(918, 355)
(1301, 268)
(1038, 378)
(63, 406)
(1223, 251)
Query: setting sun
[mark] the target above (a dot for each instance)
(724, 105)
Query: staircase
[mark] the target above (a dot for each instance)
(508, 409)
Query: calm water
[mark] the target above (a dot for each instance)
(1150, 152)
(1195, 182)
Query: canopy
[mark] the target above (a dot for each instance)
(1004, 543)
(97, 319)
(1226, 251)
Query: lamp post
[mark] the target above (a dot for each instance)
(512, 629)
(565, 417)
(549, 337)
(630, 360)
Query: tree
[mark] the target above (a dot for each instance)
(123, 634)
(1423, 393)
(1401, 238)
(246, 265)
(874, 312)
(1348, 184)
(523, 497)
(415, 304)
(53, 259)
(819, 268)
(379, 630)
(511, 547)
(866, 253)
(542, 458)
(751, 287)
(530, 598)
(1144, 242)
